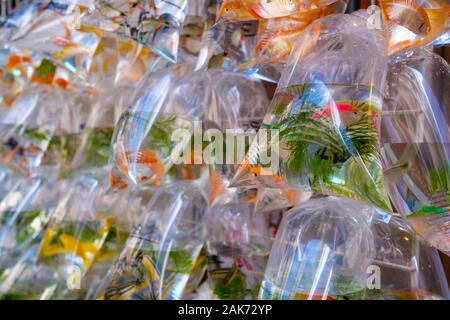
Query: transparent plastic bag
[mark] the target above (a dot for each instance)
(415, 139)
(161, 251)
(323, 122)
(336, 248)
(142, 145)
(238, 246)
(255, 38)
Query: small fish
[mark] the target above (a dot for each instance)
(116, 181)
(61, 83)
(9, 156)
(267, 177)
(33, 150)
(407, 13)
(428, 211)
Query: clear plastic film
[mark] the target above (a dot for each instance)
(339, 249)
(324, 117)
(161, 252)
(416, 143)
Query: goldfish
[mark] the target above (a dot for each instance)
(146, 157)
(116, 181)
(61, 83)
(316, 296)
(279, 38)
(33, 150)
(279, 43)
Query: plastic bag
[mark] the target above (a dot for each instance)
(27, 128)
(322, 125)
(160, 253)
